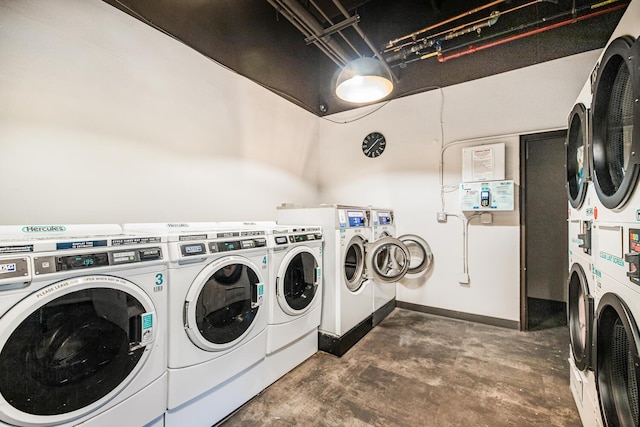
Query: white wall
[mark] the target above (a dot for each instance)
(405, 177)
(104, 119)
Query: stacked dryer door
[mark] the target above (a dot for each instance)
(616, 231)
(82, 330)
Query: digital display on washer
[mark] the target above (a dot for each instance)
(228, 246)
(356, 218)
(281, 240)
(384, 218)
(193, 249)
(75, 262)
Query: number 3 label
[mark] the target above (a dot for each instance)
(159, 279)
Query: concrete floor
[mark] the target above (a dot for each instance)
(416, 369)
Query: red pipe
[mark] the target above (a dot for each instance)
(473, 49)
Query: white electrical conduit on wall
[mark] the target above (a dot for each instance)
(464, 278)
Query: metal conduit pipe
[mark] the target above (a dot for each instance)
(315, 28)
(346, 14)
(328, 19)
(415, 48)
(473, 49)
(318, 43)
(413, 35)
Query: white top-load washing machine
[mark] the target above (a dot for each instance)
(294, 297)
(217, 318)
(348, 268)
(615, 149)
(386, 261)
(82, 326)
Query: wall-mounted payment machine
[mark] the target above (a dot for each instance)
(487, 196)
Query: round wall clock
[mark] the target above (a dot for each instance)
(374, 144)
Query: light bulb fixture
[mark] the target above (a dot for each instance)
(364, 80)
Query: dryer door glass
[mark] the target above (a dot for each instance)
(576, 152)
(388, 259)
(299, 283)
(614, 141)
(225, 307)
(421, 257)
(354, 264)
(72, 351)
(618, 362)
(580, 316)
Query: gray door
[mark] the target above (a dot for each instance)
(544, 220)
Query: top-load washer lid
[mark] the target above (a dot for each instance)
(617, 362)
(580, 317)
(615, 144)
(577, 152)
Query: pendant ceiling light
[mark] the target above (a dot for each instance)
(364, 80)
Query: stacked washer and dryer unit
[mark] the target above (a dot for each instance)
(82, 326)
(615, 288)
(581, 283)
(352, 265)
(217, 318)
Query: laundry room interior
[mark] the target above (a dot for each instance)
(110, 115)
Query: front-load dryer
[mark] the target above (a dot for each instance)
(389, 263)
(616, 230)
(348, 269)
(615, 142)
(617, 343)
(82, 326)
(294, 298)
(217, 319)
(580, 283)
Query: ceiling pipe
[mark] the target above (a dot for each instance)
(346, 14)
(473, 49)
(319, 43)
(414, 35)
(328, 19)
(314, 28)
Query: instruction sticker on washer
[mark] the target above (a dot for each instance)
(487, 196)
(146, 321)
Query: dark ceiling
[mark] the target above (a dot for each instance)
(255, 38)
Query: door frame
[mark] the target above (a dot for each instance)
(524, 140)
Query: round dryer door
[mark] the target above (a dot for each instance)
(617, 362)
(420, 255)
(353, 264)
(223, 302)
(71, 347)
(577, 160)
(615, 137)
(580, 317)
(387, 259)
(297, 280)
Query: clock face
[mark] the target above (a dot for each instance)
(374, 144)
